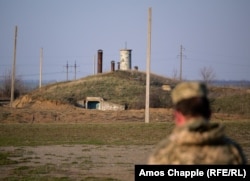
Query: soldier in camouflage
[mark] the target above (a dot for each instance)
(195, 140)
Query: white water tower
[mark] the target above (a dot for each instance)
(125, 59)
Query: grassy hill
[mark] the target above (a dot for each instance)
(128, 87)
(121, 87)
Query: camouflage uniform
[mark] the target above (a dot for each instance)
(198, 142)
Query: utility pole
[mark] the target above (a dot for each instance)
(13, 70)
(75, 69)
(67, 71)
(148, 66)
(181, 55)
(41, 61)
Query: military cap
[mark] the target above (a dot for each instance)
(186, 90)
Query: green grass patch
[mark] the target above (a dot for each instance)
(233, 104)
(95, 134)
(102, 134)
(31, 173)
(99, 179)
(4, 159)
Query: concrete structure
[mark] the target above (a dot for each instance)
(166, 87)
(99, 104)
(125, 59)
(111, 106)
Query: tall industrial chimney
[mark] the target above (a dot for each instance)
(112, 66)
(99, 63)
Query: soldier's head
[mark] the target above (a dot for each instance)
(190, 100)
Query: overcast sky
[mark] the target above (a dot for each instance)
(214, 34)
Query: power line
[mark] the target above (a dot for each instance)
(75, 69)
(35, 74)
(181, 56)
(67, 70)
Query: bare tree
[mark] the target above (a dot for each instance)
(208, 74)
(175, 74)
(5, 88)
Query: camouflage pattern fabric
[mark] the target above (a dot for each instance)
(198, 142)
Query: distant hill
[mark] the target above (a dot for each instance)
(232, 83)
(128, 87)
(34, 84)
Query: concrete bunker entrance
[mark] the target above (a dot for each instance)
(98, 103)
(93, 105)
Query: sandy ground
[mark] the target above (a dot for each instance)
(79, 161)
